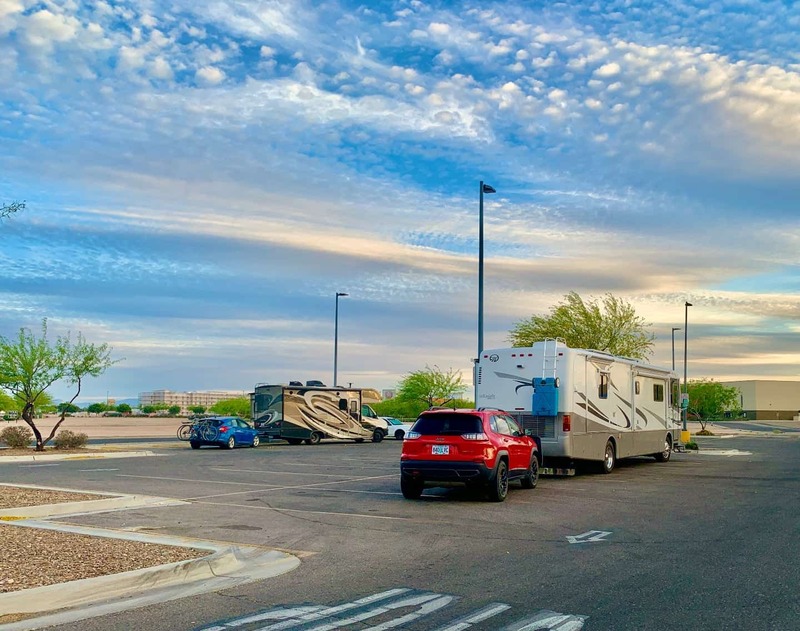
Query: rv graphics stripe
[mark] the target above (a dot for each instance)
(627, 419)
(523, 383)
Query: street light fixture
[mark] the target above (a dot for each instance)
(675, 328)
(339, 294)
(686, 306)
(484, 188)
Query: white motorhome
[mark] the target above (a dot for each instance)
(583, 404)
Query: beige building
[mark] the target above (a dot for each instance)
(766, 400)
(186, 400)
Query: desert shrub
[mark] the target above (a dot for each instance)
(16, 437)
(66, 439)
(692, 445)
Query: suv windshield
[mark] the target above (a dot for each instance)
(447, 424)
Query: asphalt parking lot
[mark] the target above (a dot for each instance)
(705, 541)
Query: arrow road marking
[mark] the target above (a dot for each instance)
(586, 537)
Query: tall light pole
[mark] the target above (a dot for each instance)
(675, 328)
(484, 188)
(339, 294)
(686, 306)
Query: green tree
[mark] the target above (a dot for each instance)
(96, 408)
(709, 400)
(197, 409)
(8, 403)
(239, 406)
(6, 210)
(174, 410)
(68, 408)
(124, 408)
(431, 386)
(31, 364)
(609, 325)
(149, 409)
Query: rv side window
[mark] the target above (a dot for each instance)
(343, 405)
(602, 390)
(658, 392)
(636, 386)
(675, 396)
(354, 408)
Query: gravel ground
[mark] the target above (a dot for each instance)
(33, 558)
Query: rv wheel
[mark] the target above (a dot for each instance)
(377, 436)
(664, 455)
(314, 438)
(359, 440)
(610, 458)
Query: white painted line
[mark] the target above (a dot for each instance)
(153, 477)
(316, 475)
(426, 609)
(466, 622)
(588, 537)
(311, 512)
(273, 614)
(548, 620)
(30, 466)
(339, 466)
(724, 452)
(84, 470)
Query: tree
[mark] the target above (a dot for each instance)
(149, 409)
(611, 326)
(68, 408)
(431, 386)
(197, 409)
(709, 400)
(239, 406)
(30, 365)
(124, 408)
(8, 403)
(96, 408)
(7, 210)
(174, 410)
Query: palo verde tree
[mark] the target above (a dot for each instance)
(239, 406)
(31, 364)
(709, 400)
(431, 386)
(609, 325)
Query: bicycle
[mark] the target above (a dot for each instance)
(202, 429)
(185, 431)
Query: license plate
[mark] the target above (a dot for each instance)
(440, 450)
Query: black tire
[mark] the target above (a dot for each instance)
(498, 487)
(359, 440)
(532, 475)
(231, 443)
(665, 455)
(256, 441)
(609, 458)
(377, 436)
(314, 438)
(399, 434)
(294, 441)
(410, 488)
(195, 444)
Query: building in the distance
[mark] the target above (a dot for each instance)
(768, 400)
(186, 400)
(388, 394)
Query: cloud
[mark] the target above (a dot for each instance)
(209, 75)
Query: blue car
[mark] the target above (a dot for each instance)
(222, 431)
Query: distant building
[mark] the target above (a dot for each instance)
(186, 400)
(767, 400)
(388, 394)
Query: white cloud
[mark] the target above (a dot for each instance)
(44, 28)
(608, 70)
(209, 75)
(160, 69)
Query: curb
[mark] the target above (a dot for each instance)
(89, 456)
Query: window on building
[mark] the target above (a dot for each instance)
(636, 387)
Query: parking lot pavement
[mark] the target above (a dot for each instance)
(698, 542)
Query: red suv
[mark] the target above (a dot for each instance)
(468, 447)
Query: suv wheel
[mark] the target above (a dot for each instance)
(498, 488)
(532, 475)
(410, 488)
(377, 436)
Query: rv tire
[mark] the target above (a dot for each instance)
(498, 486)
(532, 475)
(377, 436)
(663, 456)
(609, 458)
(314, 438)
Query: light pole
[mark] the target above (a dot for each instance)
(484, 188)
(675, 328)
(686, 306)
(339, 294)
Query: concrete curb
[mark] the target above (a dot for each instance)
(89, 456)
(106, 504)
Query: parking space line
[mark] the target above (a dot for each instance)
(318, 475)
(298, 510)
(283, 488)
(340, 466)
(154, 477)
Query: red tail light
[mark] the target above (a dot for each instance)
(479, 436)
(566, 424)
(223, 429)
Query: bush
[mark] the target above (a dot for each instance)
(692, 446)
(16, 437)
(66, 439)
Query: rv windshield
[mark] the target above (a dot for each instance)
(449, 424)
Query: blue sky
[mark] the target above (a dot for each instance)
(201, 177)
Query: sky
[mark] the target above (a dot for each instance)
(202, 177)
